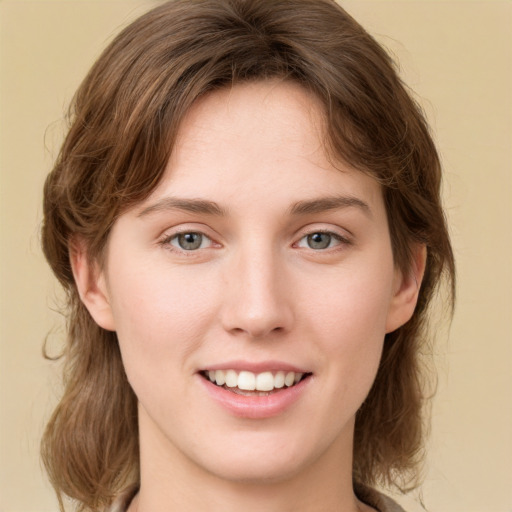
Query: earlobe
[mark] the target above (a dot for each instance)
(406, 290)
(91, 285)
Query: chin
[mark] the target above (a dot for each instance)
(255, 472)
(265, 461)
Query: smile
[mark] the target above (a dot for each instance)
(255, 390)
(253, 384)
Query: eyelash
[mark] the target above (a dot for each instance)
(166, 242)
(341, 240)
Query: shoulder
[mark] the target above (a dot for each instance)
(377, 500)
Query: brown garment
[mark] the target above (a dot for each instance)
(375, 499)
(122, 503)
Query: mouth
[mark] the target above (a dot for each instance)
(247, 383)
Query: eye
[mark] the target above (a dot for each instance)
(320, 240)
(189, 241)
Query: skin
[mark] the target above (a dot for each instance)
(255, 290)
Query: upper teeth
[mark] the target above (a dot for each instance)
(249, 381)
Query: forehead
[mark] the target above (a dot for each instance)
(258, 140)
(259, 115)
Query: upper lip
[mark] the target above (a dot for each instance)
(256, 366)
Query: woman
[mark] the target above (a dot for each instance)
(246, 216)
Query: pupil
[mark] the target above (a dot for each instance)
(190, 241)
(319, 240)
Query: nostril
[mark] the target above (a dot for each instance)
(258, 332)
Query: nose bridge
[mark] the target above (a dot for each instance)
(256, 298)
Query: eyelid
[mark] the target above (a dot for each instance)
(341, 234)
(171, 233)
(204, 240)
(339, 242)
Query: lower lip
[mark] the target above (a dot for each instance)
(256, 407)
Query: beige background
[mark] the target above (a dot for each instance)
(457, 57)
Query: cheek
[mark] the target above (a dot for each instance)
(348, 314)
(352, 301)
(159, 315)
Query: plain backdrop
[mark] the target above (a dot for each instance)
(456, 56)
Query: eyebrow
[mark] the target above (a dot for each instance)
(203, 206)
(324, 204)
(189, 205)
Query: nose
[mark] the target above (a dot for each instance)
(258, 296)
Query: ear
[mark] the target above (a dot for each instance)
(91, 285)
(406, 290)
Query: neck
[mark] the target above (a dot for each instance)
(171, 482)
(284, 496)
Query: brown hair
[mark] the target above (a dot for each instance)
(123, 122)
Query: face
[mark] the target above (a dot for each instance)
(251, 292)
